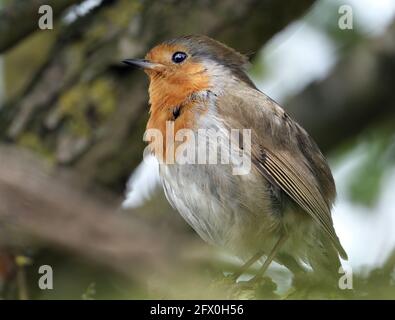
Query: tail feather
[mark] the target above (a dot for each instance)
(324, 259)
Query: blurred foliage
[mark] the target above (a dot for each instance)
(366, 184)
(76, 279)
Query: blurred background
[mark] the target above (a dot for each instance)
(72, 119)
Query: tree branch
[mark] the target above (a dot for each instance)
(39, 206)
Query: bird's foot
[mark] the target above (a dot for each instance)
(255, 288)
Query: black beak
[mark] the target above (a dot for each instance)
(141, 63)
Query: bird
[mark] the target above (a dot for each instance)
(280, 209)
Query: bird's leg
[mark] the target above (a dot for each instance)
(270, 257)
(248, 264)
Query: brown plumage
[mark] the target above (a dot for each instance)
(285, 200)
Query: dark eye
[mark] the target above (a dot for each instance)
(179, 57)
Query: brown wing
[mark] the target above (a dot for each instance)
(285, 154)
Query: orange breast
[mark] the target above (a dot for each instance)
(174, 91)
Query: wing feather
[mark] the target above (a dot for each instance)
(284, 154)
(304, 192)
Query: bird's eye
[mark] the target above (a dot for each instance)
(179, 57)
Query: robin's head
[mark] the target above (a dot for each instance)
(191, 63)
(182, 70)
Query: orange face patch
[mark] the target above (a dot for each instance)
(172, 86)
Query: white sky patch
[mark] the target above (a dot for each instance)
(80, 10)
(294, 58)
(366, 233)
(373, 16)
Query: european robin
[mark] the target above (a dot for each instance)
(280, 208)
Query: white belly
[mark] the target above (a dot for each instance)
(223, 208)
(216, 204)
